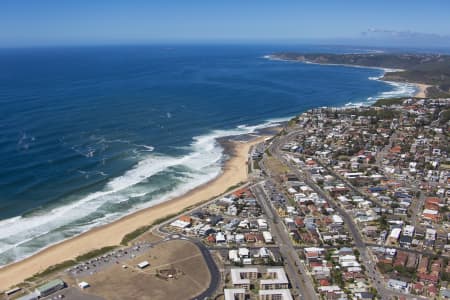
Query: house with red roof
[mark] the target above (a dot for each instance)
(396, 149)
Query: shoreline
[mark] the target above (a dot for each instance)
(421, 90)
(421, 87)
(386, 70)
(111, 234)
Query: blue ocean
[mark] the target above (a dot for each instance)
(90, 134)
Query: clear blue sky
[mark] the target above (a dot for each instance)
(44, 22)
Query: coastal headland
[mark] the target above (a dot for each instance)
(234, 172)
(429, 72)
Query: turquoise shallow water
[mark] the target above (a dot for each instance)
(90, 134)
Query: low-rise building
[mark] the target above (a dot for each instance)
(398, 285)
(394, 235)
(240, 278)
(50, 287)
(279, 294)
(234, 294)
(277, 279)
(267, 237)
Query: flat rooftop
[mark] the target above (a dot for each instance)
(283, 294)
(279, 277)
(237, 275)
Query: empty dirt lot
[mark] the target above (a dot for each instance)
(183, 260)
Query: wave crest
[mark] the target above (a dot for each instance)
(140, 187)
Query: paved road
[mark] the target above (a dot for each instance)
(348, 183)
(416, 208)
(213, 270)
(365, 258)
(301, 284)
(211, 264)
(161, 231)
(409, 250)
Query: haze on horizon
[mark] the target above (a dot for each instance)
(376, 23)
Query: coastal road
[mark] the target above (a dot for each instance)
(301, 284)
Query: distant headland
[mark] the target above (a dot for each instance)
(426, 69)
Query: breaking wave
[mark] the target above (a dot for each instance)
(154, 179)
(399, 89)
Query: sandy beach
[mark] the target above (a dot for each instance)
(235, 171)
(421, 90)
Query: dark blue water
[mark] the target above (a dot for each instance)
(90, 134)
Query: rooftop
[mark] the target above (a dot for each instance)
(279, 276)
(238, 277)
(283, 294)
(230, 294)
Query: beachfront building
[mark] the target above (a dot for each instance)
(32, 296)
(50, 287)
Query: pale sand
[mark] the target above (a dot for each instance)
(421, 90)
(235, 171)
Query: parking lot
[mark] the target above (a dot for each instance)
(113, 258)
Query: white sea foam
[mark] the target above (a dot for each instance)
(399, 89)
(355, 104)
(24, 235)
(275, 58)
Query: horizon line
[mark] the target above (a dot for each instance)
(224, 42)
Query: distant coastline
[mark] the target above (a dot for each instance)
(420, 88)
(280, 58)
(429, 72)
